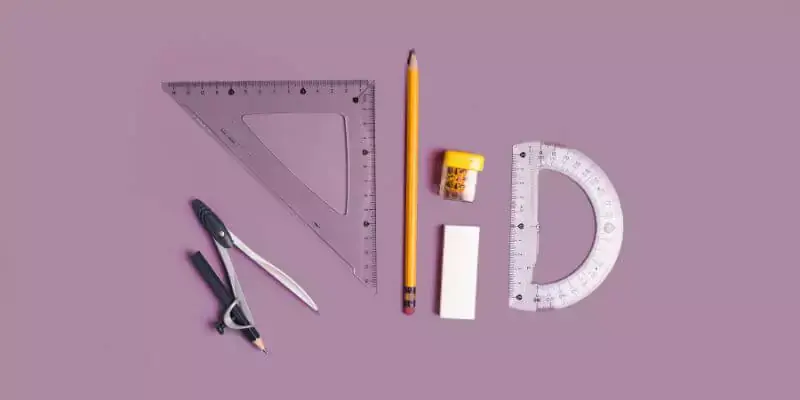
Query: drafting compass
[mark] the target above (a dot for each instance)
(237, 314)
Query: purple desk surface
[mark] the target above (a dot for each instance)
(690, 106)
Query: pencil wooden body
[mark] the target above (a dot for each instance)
(412, 174)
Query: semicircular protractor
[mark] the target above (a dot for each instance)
(527, 161)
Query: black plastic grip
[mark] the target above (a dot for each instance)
(212, 223)
(224, 296)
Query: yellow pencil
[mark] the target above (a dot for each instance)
(412, 158)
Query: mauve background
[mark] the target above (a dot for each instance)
(692, 107)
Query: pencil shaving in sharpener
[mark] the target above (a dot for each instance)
(460, 175)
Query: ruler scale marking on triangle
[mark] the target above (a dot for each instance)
(220, 108)
(528, 160)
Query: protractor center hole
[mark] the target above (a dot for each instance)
(566, 221)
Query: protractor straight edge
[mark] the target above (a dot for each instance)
(528, 160)
(219, 107)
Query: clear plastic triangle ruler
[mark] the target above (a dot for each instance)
(220, 108)
(528, 160)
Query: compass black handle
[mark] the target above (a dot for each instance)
(211, 279)
(222, 294)
(212, 223)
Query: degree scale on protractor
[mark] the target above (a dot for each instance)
(528, 160)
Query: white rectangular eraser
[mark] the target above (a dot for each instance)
(459, 272)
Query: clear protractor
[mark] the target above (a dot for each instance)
(527, 161)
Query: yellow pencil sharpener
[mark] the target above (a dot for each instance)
(460, 175)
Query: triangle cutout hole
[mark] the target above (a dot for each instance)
(313, 146)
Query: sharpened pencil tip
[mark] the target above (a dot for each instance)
(412, 57)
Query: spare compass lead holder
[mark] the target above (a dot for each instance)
(459, 178)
